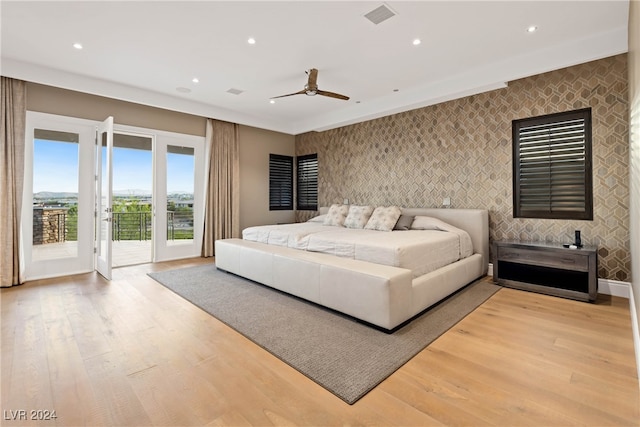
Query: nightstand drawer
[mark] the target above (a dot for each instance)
(565, 260)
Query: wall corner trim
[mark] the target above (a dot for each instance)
(635, 327)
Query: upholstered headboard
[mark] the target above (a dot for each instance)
(473, 221)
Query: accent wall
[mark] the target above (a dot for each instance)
(462, 149)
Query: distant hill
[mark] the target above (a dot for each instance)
(54, 195)
(133, 192)
(118, 193)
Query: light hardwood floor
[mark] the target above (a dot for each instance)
(130, 353)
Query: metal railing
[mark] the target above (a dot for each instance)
(126, 226)
(179, 225)
(138, 225)
(131, 226)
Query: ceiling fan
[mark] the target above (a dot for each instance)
(311, 88)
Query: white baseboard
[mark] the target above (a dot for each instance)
(635, 328)
(614, 288)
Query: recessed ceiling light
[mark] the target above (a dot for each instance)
(77, 45)
(272, 101)
(195, 80)
(251, 40)
(416, 42)
(396, 90)
(532, 29)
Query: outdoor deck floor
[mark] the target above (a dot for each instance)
(124, 252)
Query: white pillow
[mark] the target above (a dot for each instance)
(383, 218)
(429, 223)
(319, 218)
(336, 215)
(358, 216)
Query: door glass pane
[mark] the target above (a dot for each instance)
(103, 215)
(55, 195)
(180, 191)
(132, 199)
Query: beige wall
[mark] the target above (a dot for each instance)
(634, 157)
(255, 147)
(48, 99)
(255, 144)
(462, 149)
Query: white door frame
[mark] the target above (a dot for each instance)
(83, 261)
(104, 198)
(161, 140)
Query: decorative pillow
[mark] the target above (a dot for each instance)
(383, 218)
(358, 216)
(319, 218)
(429, 223)
(404, 222)
(336, 215)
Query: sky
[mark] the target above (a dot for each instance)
(55, 168)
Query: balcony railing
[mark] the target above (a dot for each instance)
(131, 226)
(60, 226)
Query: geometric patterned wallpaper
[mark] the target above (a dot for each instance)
(462, 149)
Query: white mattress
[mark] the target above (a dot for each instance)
(294, 236)
(420, 251)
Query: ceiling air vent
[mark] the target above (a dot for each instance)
(235, 91)
(380, 14)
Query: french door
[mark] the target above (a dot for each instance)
(104, 197)
(178, 191)
(68, 211)
(58, 197)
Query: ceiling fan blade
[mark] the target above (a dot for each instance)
(302, 92)
(313, 78)
(332, 95)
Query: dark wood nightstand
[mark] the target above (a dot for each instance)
(547, 268)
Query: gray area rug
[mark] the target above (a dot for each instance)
(344, 356)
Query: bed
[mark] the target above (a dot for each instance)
(384, 278)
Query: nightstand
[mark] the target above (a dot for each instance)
(547, 268)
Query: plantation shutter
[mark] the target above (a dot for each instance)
(307, 182)
(280, 182)
(552, 166)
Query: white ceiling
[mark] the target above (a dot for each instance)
(143, 51)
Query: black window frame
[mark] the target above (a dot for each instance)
(307, 182)
(568, 195)
(280, 182)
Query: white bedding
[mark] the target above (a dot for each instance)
(421, 251)
(294, 236)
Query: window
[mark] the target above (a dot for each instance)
(280, 182)
(552, 166)
(307, 182)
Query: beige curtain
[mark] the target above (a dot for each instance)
(13, 112)
(222, 195)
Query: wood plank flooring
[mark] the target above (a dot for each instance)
(131, 353)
